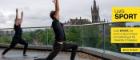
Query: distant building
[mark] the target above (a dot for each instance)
(95, 17)
(77, 21)
(95, 13)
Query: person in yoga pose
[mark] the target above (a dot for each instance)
(17, 38)
(59, 43)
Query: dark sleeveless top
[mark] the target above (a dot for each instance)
(58, 30)
(18, 31)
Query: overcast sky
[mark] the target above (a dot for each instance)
(36, 12)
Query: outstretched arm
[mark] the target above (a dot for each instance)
(17, 18)
(57, 9)
(20, 20)
(16, 13)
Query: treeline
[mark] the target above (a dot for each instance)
(83, 36)
(88, 36)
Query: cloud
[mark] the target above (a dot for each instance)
(36, 12)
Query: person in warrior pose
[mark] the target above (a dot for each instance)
(17, 38)
(59, 43)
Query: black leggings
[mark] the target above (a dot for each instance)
(58, 47)
(13, 44)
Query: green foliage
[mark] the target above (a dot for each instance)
(73, 34)
(28, 36)
(5, 39)
(90, 36)
(81, 35)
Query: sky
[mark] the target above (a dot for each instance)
(36, 12)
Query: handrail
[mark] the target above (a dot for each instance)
(25, 27)
(64, 25)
